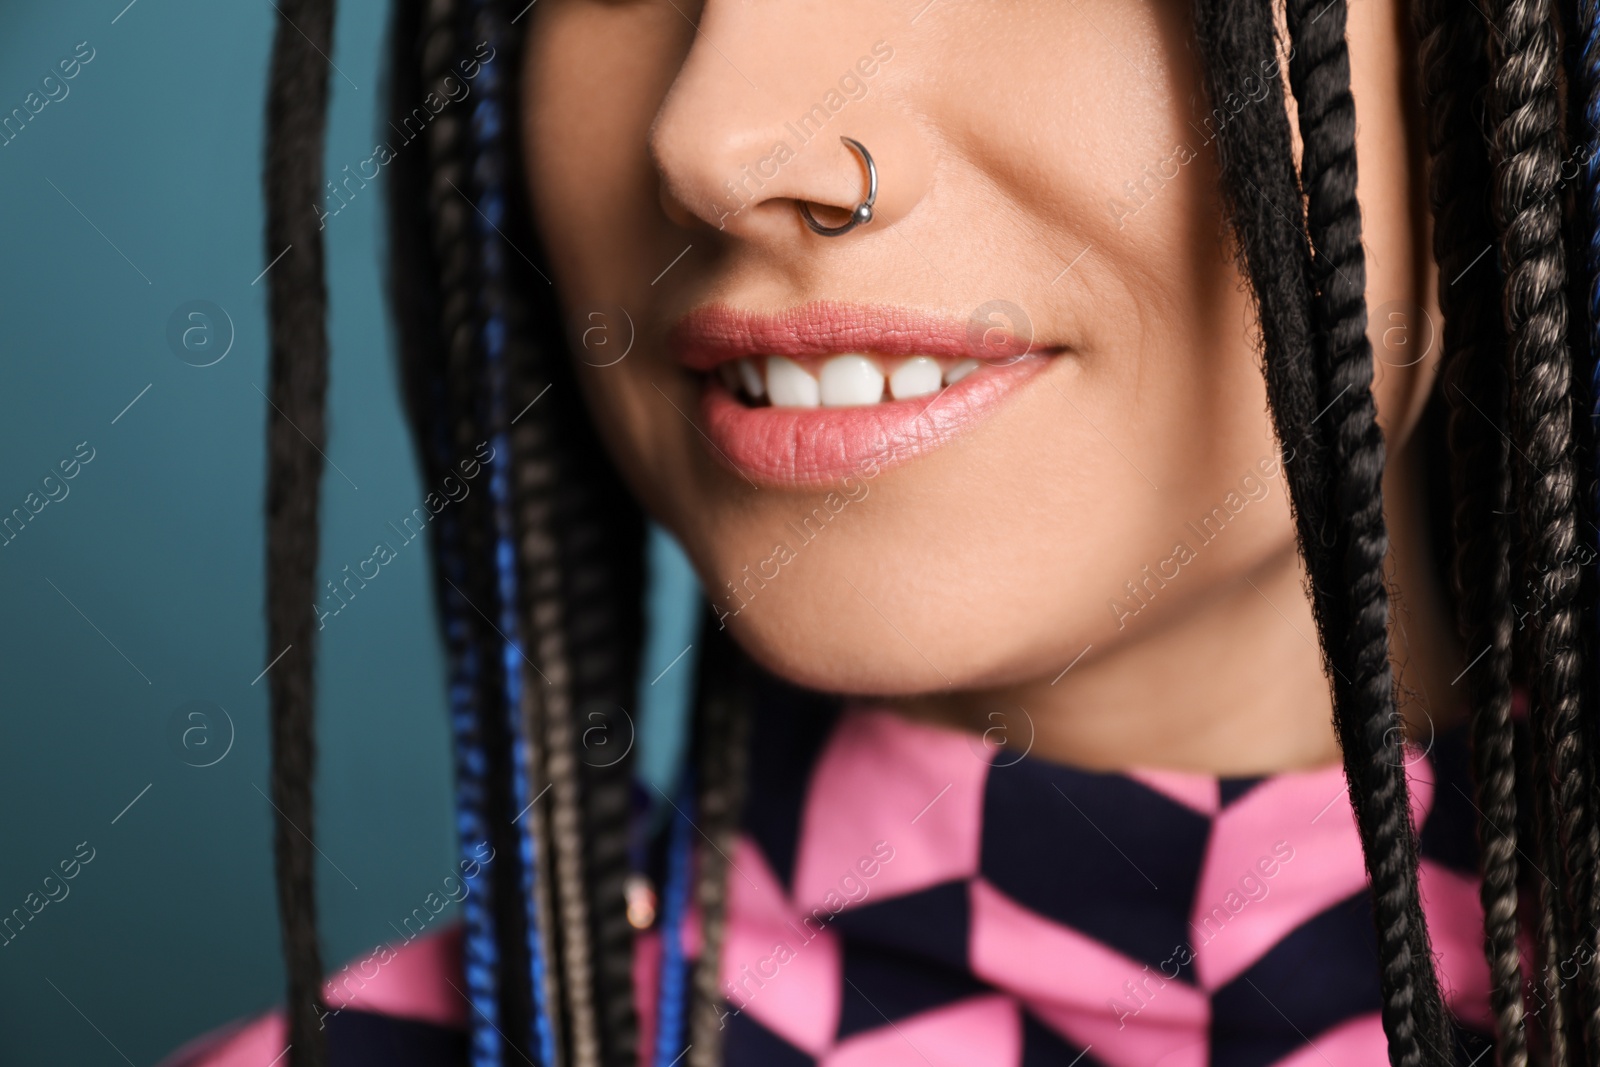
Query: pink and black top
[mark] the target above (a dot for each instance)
(907, 896)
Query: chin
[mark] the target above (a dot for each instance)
(822, 633)
(842, 656)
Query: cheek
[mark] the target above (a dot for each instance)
(642, 413)
(594, 77)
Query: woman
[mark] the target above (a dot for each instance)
(1071, 691)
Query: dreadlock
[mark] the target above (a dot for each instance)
(538, 579)
(297, 300)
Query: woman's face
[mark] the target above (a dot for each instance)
(1047, 206)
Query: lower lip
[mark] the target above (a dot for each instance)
(786, 447)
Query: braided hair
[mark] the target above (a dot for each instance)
(1527, 144)
(297, 304)
(1308, 273)
(538, 581)
(1453, 53)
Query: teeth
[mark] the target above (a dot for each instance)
(850, 381)
(753, 383)
(960, 371)
(791, 385)
(917, 376)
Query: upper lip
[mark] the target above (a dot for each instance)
(716, 333)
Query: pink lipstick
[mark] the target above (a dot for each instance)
(812, 394)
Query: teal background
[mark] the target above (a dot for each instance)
(155, 554)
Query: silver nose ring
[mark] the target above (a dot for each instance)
(862, 213)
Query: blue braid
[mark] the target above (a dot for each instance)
(480, 950)
(489, 220)
(672, 1004)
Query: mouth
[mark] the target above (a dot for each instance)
(820, 392)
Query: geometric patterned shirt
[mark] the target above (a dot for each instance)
(909, 896)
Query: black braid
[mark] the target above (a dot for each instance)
(297, 308)
(538, 549)
(1528, 158)
(1580, 27)
(1453, 68)
(721, 756)
(536, 475)
(1584, 246)
(1341, 529)
(603, 545)
(1370, 727)
(1556, 988)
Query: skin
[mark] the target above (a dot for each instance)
(961, 585)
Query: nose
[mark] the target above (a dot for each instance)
(751, 127)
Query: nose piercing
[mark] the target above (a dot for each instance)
(862, 213)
